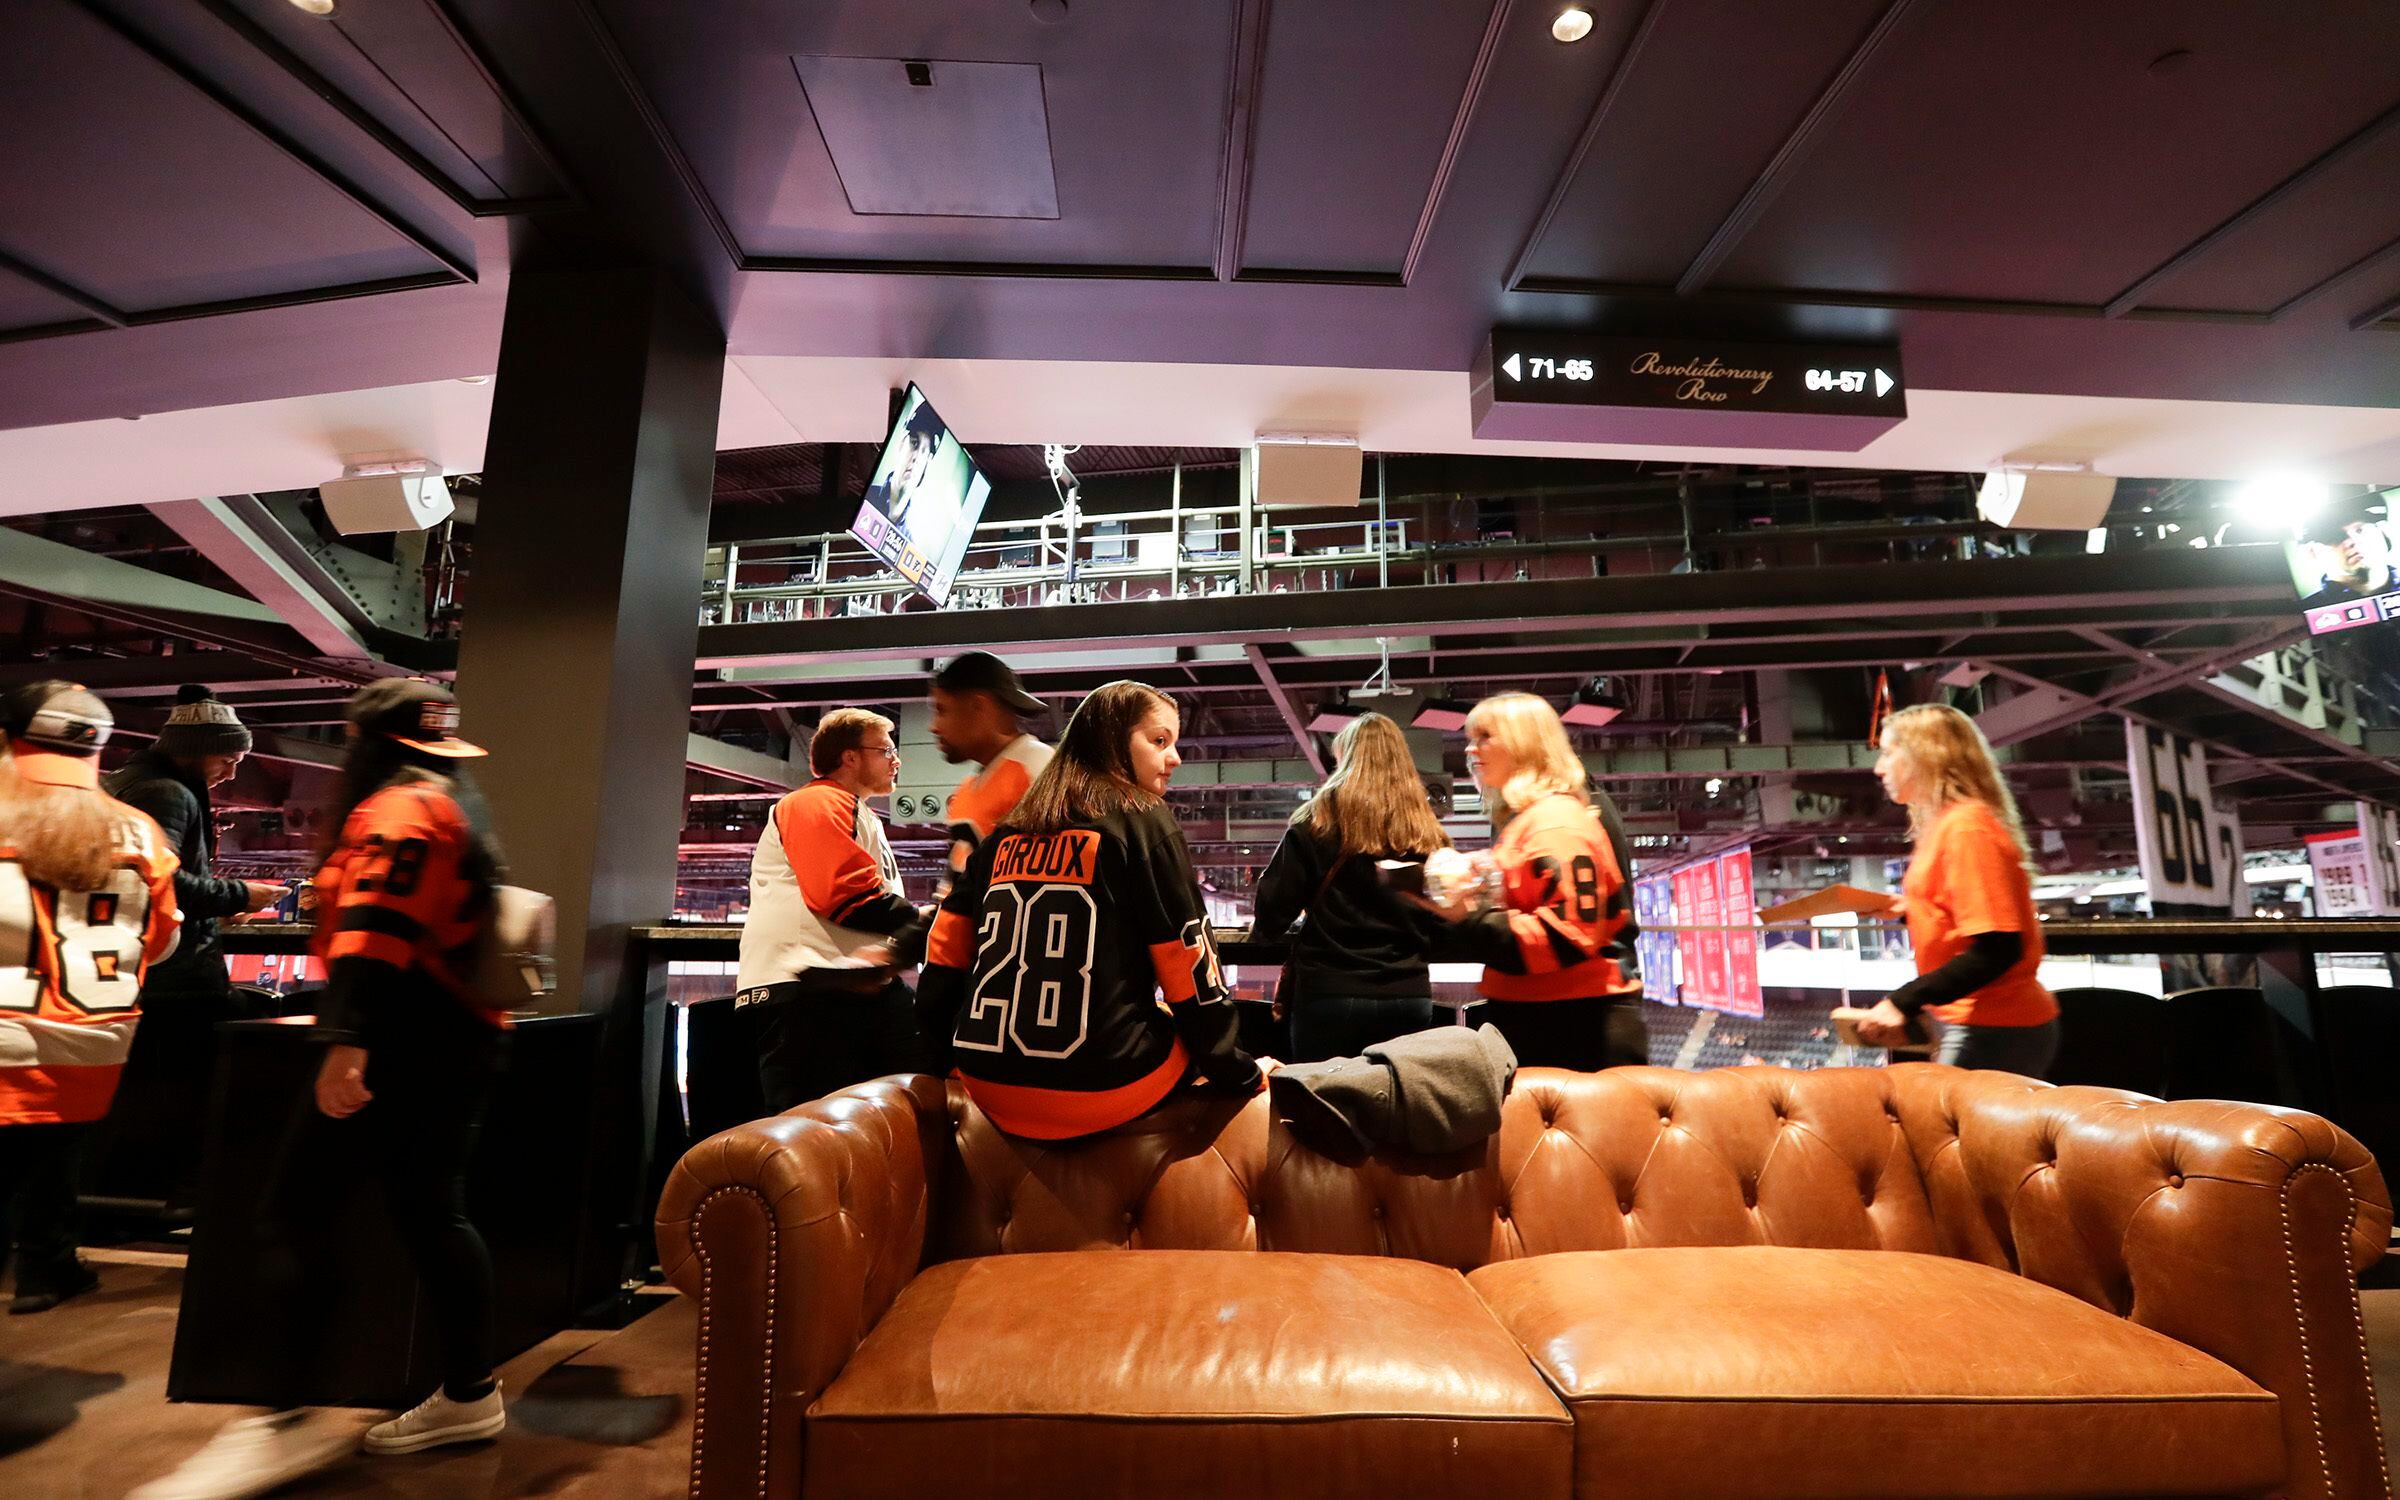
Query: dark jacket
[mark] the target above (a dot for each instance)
(178, 801)
(1430, 1092)
(1360, 941)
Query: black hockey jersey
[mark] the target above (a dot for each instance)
(1075, 977)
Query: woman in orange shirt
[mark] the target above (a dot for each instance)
(1968, 900)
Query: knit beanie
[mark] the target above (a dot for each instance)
(199, 725)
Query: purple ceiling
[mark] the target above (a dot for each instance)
(2029, 198)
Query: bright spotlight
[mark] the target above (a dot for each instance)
(2280, 500)
(1573, 24)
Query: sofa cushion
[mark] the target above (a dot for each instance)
(1155, 1373)
(1791, 1373)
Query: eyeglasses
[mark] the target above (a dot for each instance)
(888, 752)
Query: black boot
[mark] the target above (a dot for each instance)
(40, 1293)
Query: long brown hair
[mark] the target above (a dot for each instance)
(1374, 802)
(1091, 774)
(66, 837)
(1955, 760)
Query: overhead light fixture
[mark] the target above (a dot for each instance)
(314, 7)
(1573, 24)
(2279, 500)
(1333, 718)
(1597, 704)
(474, 380)
(1716, 784)
(1965, 675)
(1449, 715)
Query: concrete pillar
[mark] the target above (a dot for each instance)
(575, 670)
(575, 663)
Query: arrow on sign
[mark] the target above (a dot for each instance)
(1510, 365)
(1883, 384)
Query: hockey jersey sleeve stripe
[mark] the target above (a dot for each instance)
(1177, 965)
(952, 943)
(381, 919)
(1055, 1114)
(376, 947)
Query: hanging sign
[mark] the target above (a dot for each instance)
(2191, 853)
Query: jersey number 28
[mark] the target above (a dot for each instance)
(95, 942)
(1033, 966)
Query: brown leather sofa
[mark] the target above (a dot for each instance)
(1913, 1281)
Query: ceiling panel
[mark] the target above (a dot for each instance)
(398, 60)
(1697, 115)
(1354, 110)
(164, 199)
(2349, 210)
(24, 305)
(1995, 149)
(1135, 97)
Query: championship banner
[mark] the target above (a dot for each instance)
(1654, 909)
(1743, 995)
(2357, 871)
(1708, 914)
(2191, 853)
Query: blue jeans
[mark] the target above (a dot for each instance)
(1326, 1026)
(2007, 1049)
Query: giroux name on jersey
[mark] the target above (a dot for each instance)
(1066, 857)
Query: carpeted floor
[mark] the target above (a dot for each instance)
(84, 1414)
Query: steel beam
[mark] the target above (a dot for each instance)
(1285, 707)
(2230, 584)
(737, 764)
(253, 549)
(2160, 674)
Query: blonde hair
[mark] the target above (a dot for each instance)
(1955, 762)
(839, 733)
(65, 836)
(1546, 764)
(1374, 802)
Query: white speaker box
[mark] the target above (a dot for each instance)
(2045, 502)
(1306, 469)
(386, 502)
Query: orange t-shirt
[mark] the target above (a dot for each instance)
(1967, 878)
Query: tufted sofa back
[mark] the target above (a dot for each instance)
(1632, 1157)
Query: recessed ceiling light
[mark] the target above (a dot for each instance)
(315, 7)
(1573, 24)
(474, 380)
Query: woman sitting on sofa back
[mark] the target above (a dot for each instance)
(1046, 965)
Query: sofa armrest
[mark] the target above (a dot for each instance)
(2239, 1229)
(794, 1234)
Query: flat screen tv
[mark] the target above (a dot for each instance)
(2347, 567)
(922, 504)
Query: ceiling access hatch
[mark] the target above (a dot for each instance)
(926, 136)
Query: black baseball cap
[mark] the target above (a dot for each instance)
(982, 672)
(411, 711)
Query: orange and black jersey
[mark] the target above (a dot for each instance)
(402, 895)
(1567, 929)
(1075, 977)
(71, 971)
(984, 800)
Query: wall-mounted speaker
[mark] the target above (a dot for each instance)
(2037, 501)
(386, 502)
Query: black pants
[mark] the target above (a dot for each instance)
(814, 1038)
(413, 1142)
(37, 1202)
(1326, 1026)
(1585, 1035)
(149, 1147)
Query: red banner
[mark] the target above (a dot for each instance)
(1743, 995)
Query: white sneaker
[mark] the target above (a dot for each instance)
(437, 1420)
(252, 1455)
